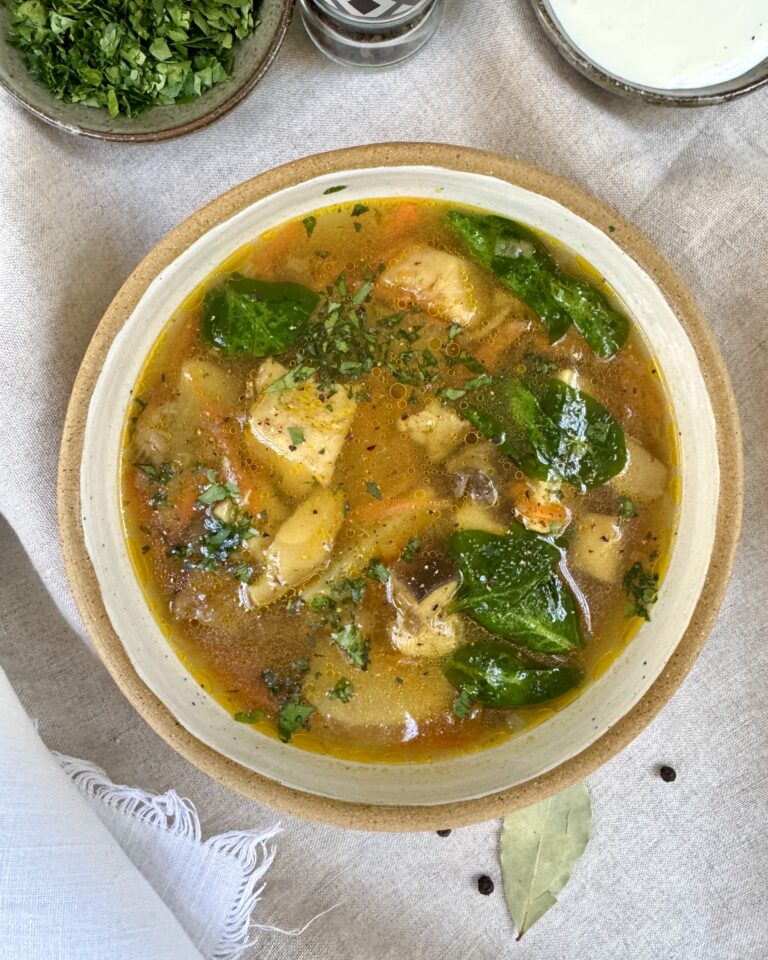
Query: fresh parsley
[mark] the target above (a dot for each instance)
(626, 509)
(292, 717)
(373, 489)
(461, 704)
(161, 474)
(250, 716)
(127, 56)
(354, 644)
(410, 549)
(343, 690)
(359, 209)
(376, 570)
(309, 224)
(297, 435)
(216, 491)
(642, 588)
(334, 189)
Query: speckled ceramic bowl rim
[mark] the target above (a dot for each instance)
(399, 817)
(169, 133)
(739, 86)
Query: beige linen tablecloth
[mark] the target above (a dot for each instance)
(673, 870)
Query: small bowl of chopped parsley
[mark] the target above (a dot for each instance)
(137, 71)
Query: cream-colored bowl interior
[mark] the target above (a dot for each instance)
(527, 755)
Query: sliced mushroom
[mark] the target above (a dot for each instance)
(474, 474)
(421, 627)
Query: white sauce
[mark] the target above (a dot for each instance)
(668, 44)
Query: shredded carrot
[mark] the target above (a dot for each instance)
(402, 219)
(381, 509)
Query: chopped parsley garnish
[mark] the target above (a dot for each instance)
(323, 254)
(243, 572)
(626, 508)
(291, 379)
(293, 717)
(250, 716)
(454, 330)
(220, 538)
(128, 56)
(309, 224)
(410, 549)
(373, 489)
(343, 691)
(161, 474)
(297, 435)
(216, 491)
(334, 189)
(359, 209)
(358, 226)
(451, 393)
(642, 588)
(376, 570)
(461, 704)
(354, 644)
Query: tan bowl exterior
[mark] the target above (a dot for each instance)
(400, 818)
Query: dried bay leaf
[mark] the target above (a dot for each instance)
(540, 845)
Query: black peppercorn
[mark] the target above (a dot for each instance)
(443, 833)
(667, 774)
(485, 885)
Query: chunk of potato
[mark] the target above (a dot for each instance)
(644, 478)
(383, 540)
(301, 426)
(301, 547)
(596, 548)
(436, 428)
(438, 281)
(472, 515)
(379, 699)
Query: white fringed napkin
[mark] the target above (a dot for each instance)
(91, 869)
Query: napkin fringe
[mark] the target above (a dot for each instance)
(251, 850)
(168, 811)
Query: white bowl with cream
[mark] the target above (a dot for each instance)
(686, 53)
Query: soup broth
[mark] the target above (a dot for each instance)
(398, 480)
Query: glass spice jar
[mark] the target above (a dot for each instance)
(370, 33)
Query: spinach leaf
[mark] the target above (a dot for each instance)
(255, 318)
(563, 435)
(492, 674)
(587, 447)
(509, 587)
(521, 262)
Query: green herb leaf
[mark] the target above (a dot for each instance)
(161, 474)
(410, 549)
(376, 570)
(359, 209)
(292, 717)
(297, 435)
(309, 224)
(490, 672)
(333, 190)
(255, 318)
(540, 845)
(461, 704)
(216, 491)
(291, 380)
(343, 691)
(516, 255)
(373, 489)
(642, 588)
(250, 716)
(626, 509)
(354, 644)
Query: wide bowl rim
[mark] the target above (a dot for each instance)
(181, 129)
(398, 817)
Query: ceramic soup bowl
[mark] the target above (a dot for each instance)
(612, 709)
